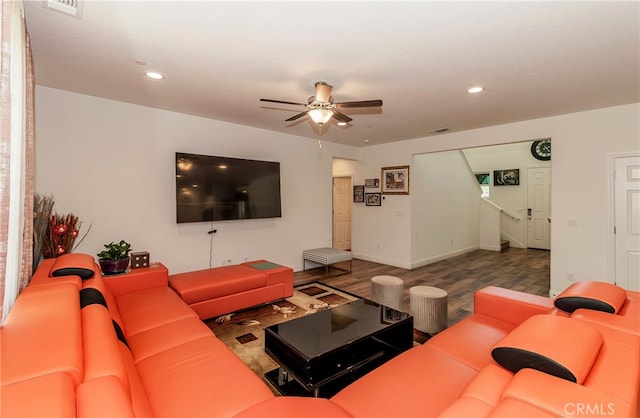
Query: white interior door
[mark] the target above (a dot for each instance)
(342, 213)
(627, 222)
(539, 208)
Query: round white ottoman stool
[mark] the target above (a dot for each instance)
(387, 291)
(428, 306)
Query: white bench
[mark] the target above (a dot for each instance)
(326, 257)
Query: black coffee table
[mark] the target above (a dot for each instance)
(320, 353)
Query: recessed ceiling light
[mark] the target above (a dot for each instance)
(474, 90)
(342, 123)
(154, 75)
(366, 141)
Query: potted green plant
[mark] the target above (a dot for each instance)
(114, 259)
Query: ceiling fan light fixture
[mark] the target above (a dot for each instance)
(320, 116)
(321, 107)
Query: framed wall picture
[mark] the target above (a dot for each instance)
(483, 178)
(373, 199)
(395, 180)
(509, 177)
(358, 194)
(371, 183)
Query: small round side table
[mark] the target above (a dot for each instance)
(428, 306)
(387, 291)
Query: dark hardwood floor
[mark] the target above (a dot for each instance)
(519, 269)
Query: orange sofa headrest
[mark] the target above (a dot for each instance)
(75, 264)
(598, 296)
(559, 346)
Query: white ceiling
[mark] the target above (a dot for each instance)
(535, 59)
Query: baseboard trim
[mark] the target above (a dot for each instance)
(491, 248)
(381, 260)
(419, 263)
(444, 256)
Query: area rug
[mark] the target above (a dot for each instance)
(243, 331)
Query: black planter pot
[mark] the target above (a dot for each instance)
(114, 266)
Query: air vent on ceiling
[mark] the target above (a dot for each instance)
(69, 7)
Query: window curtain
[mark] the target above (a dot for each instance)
(16, 155)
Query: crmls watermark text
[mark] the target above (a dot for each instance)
(589, 409)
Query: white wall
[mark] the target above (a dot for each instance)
(346, 168)
(582, 143)
(89, 150)
(445, 207)
(489, 226)
(112, 164)
(513, 199)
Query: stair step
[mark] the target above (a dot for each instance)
(504, 244)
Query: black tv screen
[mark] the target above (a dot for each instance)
(212, 188)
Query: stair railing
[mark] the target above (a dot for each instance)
(502, 210)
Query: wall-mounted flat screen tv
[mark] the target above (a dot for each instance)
(210, 188)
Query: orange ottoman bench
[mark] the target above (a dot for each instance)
(221, 290)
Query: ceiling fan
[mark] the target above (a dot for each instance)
(321, 107)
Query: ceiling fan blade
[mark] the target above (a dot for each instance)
(295, 117)
(341, 117)
(323, 91)
(282, 101)
(361, 103)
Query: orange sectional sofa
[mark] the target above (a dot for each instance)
(72, 346)
(75, 344)
(516, 356)
(221, 290)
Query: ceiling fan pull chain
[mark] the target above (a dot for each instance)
(320, 136)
